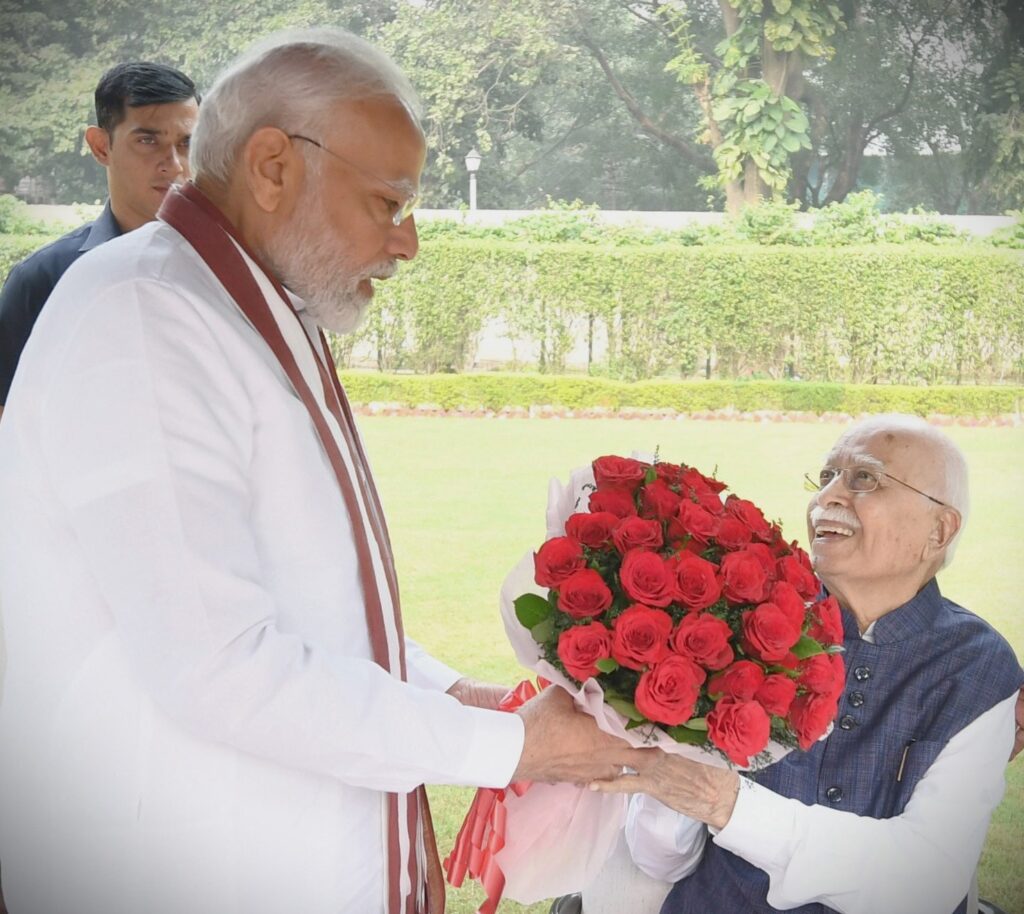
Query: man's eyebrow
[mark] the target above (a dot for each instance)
(857, 458)
(404, 185)
(151, 131)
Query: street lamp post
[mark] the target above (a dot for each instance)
(473, 159)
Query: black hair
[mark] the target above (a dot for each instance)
(133, 85)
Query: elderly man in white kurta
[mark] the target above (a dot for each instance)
(210, 706)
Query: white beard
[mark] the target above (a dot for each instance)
(309, 260)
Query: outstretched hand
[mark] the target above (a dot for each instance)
(478, 694)
(564, 744)
(694, 789)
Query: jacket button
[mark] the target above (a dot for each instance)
(856, 699)
(847, 723)
(862, 673)
(834, 794)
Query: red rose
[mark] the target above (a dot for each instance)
(810, 716)
(739, 728)
(784, 595)
(791, 569)
(668, 473)
(622, 472)
(816, 675)
(826, 622)
(695, 520)
(637, 533)
(743, 578)
(556, 560)
(823, 674)
(580, 647)
(764, 555)
(696, 581)
(584, 594)
(695, 479)
(615, 501)
(667, 693)
(776, 693)
(709, 501)
(593, 530)
(733, 533)
(706, 639)
(641, 636)
(741, 680)
(646, 578)
(769, 633)
(751, 515)
(657, 500)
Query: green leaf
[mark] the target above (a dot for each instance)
(542, 631)
(697, 723)
(790, 142)
(807, 647)
(685, 735)
(782, 6)
(607, 665)
(650, 475)
(624, 707)
(531, 609)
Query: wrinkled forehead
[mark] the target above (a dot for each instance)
(878, 448)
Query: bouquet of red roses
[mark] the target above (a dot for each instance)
(692, 614)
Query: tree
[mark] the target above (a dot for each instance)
(52, 53)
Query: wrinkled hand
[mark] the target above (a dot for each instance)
(1018, 740)
(699, 791)
(478, 694)
(563, 744)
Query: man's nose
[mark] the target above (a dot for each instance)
(174, 163)
(834, 491)
(403, 241)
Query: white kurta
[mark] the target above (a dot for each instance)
(191, 719)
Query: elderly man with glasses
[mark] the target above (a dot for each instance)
(889, 812)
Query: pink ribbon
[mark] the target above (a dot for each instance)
(482, 834)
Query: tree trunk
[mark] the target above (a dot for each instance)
(853, 155)
(754, 187)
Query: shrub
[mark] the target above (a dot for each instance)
(495, 391)
(14, 248)
(914, 314)
(15, 218)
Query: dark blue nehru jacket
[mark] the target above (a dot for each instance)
(933, 669)
(30, 283)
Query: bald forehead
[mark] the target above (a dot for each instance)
(894, 449)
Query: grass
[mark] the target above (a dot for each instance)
(465, 499)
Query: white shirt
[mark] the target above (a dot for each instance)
(919, 862)
(192, 720)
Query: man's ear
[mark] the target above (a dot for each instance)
(946, 526)
(273, 169)
(98, 141)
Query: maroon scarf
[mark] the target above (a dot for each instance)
(214, 238)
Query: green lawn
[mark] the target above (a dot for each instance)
(465, 499)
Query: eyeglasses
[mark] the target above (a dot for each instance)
(858, 479)
(407, 200)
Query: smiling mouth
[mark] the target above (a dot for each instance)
(828, 531)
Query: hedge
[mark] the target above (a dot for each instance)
(495, 391)
(880, 313)
(17, 247)
(896, 314)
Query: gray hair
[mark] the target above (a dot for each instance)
(292, 80)
(954, 490)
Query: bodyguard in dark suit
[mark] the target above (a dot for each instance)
(145, 113)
